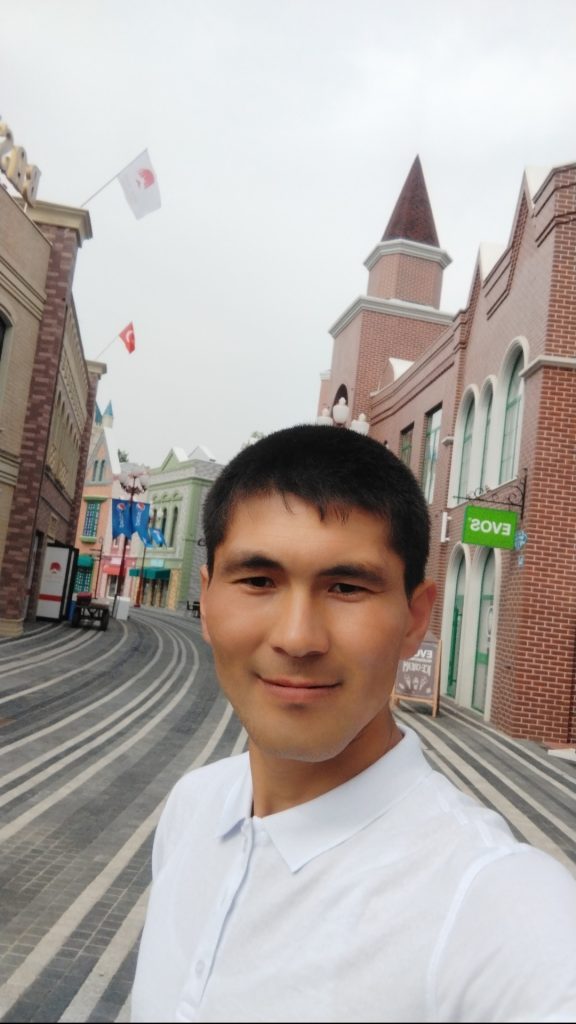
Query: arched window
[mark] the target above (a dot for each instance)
(486, 441)
(466, 451)
(164, 520)
(484, 635)
(512, 423)
(456, 633)
(431, 443)
(173, 527)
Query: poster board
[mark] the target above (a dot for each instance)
(418, 678)
(56, 581)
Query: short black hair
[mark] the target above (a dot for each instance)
(335, 470)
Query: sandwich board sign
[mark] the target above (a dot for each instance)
(490, 527)
(418, 677)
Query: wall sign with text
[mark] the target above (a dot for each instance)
(418, 678)
(490, 527)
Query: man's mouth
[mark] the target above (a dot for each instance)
(290, 688)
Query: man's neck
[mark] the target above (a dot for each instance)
(280, 783)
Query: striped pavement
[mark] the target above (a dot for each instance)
(95, 728)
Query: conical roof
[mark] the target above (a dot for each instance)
(412, 216)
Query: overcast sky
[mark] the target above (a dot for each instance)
(281, 132)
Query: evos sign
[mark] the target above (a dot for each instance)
(490, 527)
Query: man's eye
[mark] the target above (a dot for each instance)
(259, 582)
(348, 588)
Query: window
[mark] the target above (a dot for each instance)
(484, 635)
(487, 423)
(511, 435)
(173, 528)
(164, 520)
(91, 519)
(431, 444)
(82, 580)
(406, 437)
(3, 329)
(101, 470)
(466, 450)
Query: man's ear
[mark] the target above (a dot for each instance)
(204, 584)
(420, 609)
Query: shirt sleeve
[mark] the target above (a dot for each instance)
(508, 952)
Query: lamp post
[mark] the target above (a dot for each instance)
(101, 543)
(133, 480)
(340, 415)
(140, 585)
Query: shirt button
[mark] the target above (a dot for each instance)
(200, 968)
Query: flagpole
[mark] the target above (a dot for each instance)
(106, 347)
(102, 187)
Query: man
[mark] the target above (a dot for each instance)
(329, 874)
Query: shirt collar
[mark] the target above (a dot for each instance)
(304, 832)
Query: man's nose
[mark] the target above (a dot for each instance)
(299, 628)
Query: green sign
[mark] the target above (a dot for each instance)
(491, 527)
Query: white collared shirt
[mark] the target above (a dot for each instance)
(393, 897)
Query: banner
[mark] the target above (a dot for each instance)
(121, 518)
(140, 186)
(128, 337)
(140, 516)
(158, 537)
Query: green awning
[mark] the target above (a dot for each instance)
(152, 573)
(85, 562)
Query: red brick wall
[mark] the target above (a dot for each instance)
(384, 336)
(27, 514)
(411, 278)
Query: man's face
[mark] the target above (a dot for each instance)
(307, 620)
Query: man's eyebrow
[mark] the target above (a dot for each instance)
(255, 561)
(355, 571)
(248, 562)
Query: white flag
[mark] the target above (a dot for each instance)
(140, 186)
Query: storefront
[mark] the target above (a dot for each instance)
(153, 589)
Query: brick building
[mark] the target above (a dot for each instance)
(482, 406)
(47, 395)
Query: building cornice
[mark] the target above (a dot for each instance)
(548, 362)
(59, 216)
(95, 368)
(406, 247)
(390, 307)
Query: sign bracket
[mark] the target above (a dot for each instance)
(515, 498)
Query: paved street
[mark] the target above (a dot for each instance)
(95, 728)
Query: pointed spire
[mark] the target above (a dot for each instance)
(412, 216)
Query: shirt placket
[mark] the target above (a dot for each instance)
(201, 968)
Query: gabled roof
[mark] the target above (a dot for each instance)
(412, 216)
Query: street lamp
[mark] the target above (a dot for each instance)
(101, 543)
(133, 480)
(339, 417)
(140, 584)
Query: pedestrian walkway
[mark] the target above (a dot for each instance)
(95, 728)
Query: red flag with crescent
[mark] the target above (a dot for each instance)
(128, 337)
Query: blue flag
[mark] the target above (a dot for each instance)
(140, 516)
(121, 518)
(158, 537)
